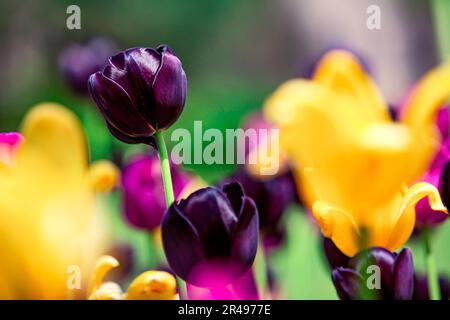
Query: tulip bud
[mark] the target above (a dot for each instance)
(210, 238)
(143, 192)
(396, 276)
(272, 196)
(140, 91)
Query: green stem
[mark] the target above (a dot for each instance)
(168, 191)
(441, 20)
(433, 280)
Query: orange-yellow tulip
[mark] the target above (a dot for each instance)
(353, 163)
(49, 217)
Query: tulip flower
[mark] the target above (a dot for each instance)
(272, 196)
(78, 61)
(49, 212)
(359, 280)
(139, 92)
(210, 238)
(149, 285)
(143, 192)
(352, 162)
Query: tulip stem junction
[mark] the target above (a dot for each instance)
(168, 191)
(432, 276)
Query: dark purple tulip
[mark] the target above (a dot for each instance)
(143, 193)
(78, 61)
(396, 275)
(421, 287)
(140, 91)
(272, 196)
(334, 256)
(210, 238)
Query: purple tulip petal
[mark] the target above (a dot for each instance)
(403, 275)
(376, 256)
(181, 242)
(211, 213)
(117, 108)
(169, 89)
(445, 184)
(347, 283)
(234, 193)
(143, 65)
(334, 256)
(245, 237)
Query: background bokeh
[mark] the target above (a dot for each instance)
(234, 53)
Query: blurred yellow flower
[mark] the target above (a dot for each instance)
(149, 285)
(353, 163)
(49, 217)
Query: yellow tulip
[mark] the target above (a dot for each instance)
(149, 285)
(352, 162)
(49, 217)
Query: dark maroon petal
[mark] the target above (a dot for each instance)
(211, 214)
(116, 71)
(420, 287)
(169, 91)
(445, 184)
(234, 193)
(334, 256)
(142, 66)
(129, 139)
(117, 108)
(347, 283)
(181, 242)
(245, 236)
(403, 275)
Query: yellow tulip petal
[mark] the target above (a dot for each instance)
(430, 93)
(53, 135)
(406, 214)
(339, 226)
(340, 71)
(152, 285)
(101, 268)
(107, 291)
(103, 176)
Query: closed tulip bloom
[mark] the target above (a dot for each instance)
(140, 91)
(210, 238)
(355, 167)
(272, 196)
(396, 276)
(143, 192)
